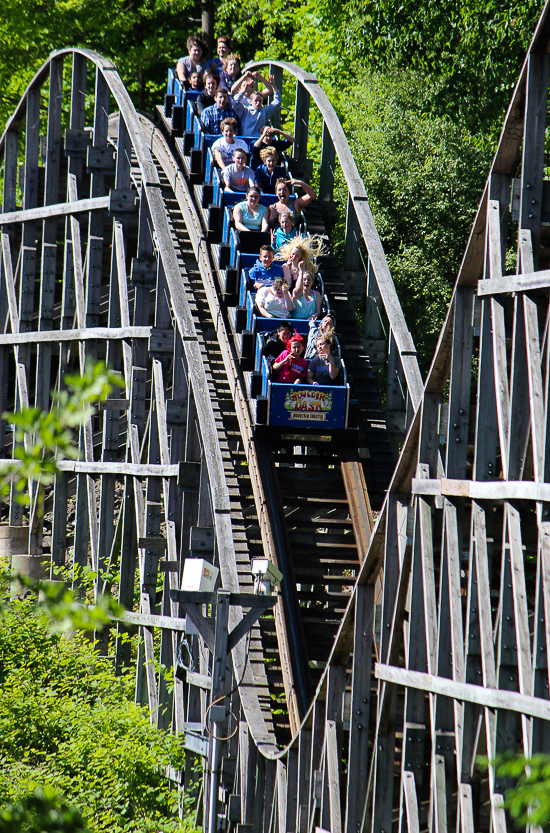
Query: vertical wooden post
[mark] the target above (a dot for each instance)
(218, 690)
(301, 121)
(277, 72)
(328, 161)
(9, 198)
(373, 325)
(358, 757)
(352, 256)
(533, 148)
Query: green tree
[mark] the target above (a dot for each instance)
(528, 801)
(69, 725)
(142, 37)
(423, 176)
(43, 810)
(470, 51)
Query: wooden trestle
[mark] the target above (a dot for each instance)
(396, 653)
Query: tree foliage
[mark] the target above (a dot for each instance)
(142, 37)
(470, 51)
(528, 801)
(423, 176)
(69, 725)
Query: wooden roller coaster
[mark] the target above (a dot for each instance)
(396, 650)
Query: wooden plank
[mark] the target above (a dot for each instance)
(486, 430)
(333, 771)
(536, 95)
(89, 334)
(491, 698)
(245, 600)
(46, 212)
(328, 161)
(304, 779)
(411, 802)
(440, 797)
(479, 490)
(466, 809)
(514, 283)
(502, 393)
(498, 814)
(281, 797)
(428, 582)
(460, 386)
(301, 121)
(536, 394)
(352, 246)
(358, 748)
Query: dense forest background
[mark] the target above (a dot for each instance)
(421, 89)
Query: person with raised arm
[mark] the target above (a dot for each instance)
(254, 116)
(307, 301)
(300, 249)
(284, 202)
(325, 368)
(267, 139)
(247, 89)
(274, 301)
(316, 329)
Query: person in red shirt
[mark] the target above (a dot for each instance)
(289, 367)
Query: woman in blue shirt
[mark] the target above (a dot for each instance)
(249, 215)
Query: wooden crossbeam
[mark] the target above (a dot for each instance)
(483, 490)
(87, 334)
(514, 283)
(491, 698)
(61, 209)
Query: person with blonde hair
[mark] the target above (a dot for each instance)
(302, 249)
(307, 301)
(270, 171)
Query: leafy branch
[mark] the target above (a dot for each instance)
(43, 438)
(528, 802)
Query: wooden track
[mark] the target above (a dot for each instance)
(416, 644)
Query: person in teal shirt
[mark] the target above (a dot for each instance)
(286, 232)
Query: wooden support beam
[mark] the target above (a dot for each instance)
(483, 490)
(491, 698)
(48, 212)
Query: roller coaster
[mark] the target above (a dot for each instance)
(410, 631)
